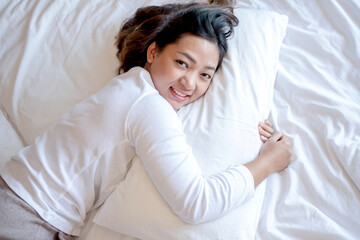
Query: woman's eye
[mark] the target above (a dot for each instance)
(207, 76)
(181, 63)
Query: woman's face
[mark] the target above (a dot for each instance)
(182, 71)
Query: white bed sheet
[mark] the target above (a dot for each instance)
(316, 101)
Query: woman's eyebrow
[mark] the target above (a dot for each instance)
(193, 60)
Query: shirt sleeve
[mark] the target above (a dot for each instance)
(155, 131)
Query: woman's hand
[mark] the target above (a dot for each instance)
(274, 156)
(265, 130)
(276, 152)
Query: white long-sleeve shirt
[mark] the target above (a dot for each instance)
(76, 164)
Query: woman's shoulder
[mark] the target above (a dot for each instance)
(136, 75)
(128, 86)
(135, 91)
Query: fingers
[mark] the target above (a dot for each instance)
(263, 134)
(265, 130)
(268, 123)
(266, 126)
(263, 139)
(276, 136)
(285, 139)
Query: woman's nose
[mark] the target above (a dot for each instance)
(189, 81)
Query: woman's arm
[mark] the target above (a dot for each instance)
(156, 133)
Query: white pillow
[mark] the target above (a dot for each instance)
(222, 129)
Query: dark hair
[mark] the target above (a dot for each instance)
(168, 23)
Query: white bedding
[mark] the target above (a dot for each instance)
(316, 97)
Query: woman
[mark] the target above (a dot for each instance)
(169, 55)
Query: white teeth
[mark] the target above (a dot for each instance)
(178, 93)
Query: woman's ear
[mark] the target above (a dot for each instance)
(151, 52)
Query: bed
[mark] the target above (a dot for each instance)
(295, 62)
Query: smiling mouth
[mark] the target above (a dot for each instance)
(179, 95)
